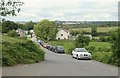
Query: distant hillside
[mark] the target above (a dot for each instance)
(20, 51)
(85, 24)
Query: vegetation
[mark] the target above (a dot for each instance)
(99, 29)
(101, 51)
(28, 25)
(10, 7)
(22, 51)
(8, 26)
(81, 41)
(94, 31)
(115, 40)
(46, 30)
(84, 24)
(12, 33)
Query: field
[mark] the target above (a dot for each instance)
(99, 29)
(82, 29)
(106, 29)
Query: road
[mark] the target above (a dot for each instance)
(61, 65)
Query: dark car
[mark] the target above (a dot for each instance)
(59, 49)
(49, 47)
(53, 48)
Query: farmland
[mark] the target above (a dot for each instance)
(99, 29)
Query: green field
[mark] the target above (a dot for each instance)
(106, 29)
(99, 29)
(82, 29)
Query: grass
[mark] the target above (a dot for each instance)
(67, 44)
(100, 44)
(82, 29)
(99, 29)
(20, 51)
(106, 29)
(101, 51)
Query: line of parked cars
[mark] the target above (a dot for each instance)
(78, 53)
(56, 49)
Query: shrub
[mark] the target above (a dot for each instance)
(81, 41)
(12, 33)
(102, 56)
(23, 52)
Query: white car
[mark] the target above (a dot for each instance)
(81, 53)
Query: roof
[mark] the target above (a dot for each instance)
(64, 30)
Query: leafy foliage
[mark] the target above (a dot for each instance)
(94, 31)
(46, 29)
(8, 25)
(82, 41)
(21, 52)
(115, 39)
(29, 25)
(12, 33)
(10, 7)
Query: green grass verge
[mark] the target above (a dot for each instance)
(20, 51)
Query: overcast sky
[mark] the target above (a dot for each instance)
(89, 10)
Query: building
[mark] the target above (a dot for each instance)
(62, 34)
(21, 32)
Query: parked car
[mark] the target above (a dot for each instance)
(53, 48)
(81, 53)
(45, 45)
(49, 47)
(40, 42)
(59, 49)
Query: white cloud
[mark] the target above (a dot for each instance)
(68, 10)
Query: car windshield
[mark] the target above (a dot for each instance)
(81, 50)
(60, 47)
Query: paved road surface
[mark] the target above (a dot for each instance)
(61, 65)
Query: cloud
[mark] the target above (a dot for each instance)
(67, 10)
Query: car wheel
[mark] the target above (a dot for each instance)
(72, 56)
(77, 57)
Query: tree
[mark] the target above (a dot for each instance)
(46, 29)
(8, 25)
(10, 7)
(94, 31)
(29, 25)
(82, 41)
(12, 33)
(115, 40)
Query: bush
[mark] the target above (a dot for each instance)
(82, 41)
(103, 39)
(69, 50)
(12, 33)
(102, 56)
(23, 52)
